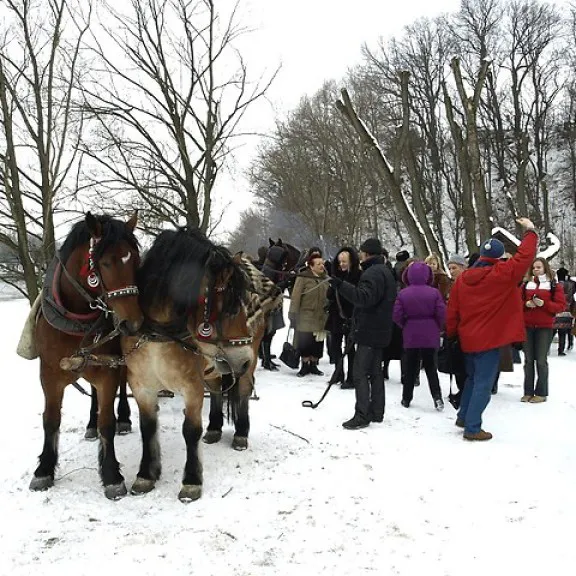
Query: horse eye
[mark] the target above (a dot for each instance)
(105, 264)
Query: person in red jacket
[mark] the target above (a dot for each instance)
(485, 313)
(543, 299)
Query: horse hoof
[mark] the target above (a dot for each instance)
(115, 491)
(40, 483)
(123, 428)
(189, 493)
(240, 443)
(142, 486)
(91, 434)
(212, 436)
(165, 394)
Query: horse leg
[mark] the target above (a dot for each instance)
(150, 464)
(192, 432)
(53, 393)
(239, 395)
(216, 419)
(92, 427)
(112, 479)
(123, 424)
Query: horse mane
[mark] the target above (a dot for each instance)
(174, 267)
(113, 232)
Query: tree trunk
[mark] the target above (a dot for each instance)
(391, 178)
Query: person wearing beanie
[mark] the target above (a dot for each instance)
(371, 246)
(485, 313)
(402, 260)
(373, 300)
(456, 265)
(492, 249)
(562, 273)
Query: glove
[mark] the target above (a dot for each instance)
(335, 282)
(538, 301)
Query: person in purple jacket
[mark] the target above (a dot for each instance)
(420, 311)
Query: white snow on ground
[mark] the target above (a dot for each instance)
(407, 496)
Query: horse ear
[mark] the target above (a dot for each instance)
(238, 258)
(279, 242)
(271, 242)
(94, 225)
(131, 224)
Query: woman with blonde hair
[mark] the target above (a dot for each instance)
(543, 299)
(441, 279)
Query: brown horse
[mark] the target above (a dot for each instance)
(192, 294)
(89, 289)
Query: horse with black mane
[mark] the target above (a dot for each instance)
(193, 294)
(89, 298)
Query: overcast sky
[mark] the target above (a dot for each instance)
(313, 40)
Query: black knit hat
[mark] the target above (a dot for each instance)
(371, 246)
(402, 256)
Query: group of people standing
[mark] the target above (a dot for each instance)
(488, 302)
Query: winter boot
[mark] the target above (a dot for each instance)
(267, 363)
(439, 404)
(304, 369)
(355, 423)
(479, 436)
(314, 370)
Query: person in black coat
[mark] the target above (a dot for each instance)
(373, 299)
(346, 266)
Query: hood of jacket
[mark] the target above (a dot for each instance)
(354, 270)
(418, 274)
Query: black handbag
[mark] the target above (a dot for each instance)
(290, 356)
(450, 357)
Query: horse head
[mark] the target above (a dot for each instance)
(191, 286)
(102, 255)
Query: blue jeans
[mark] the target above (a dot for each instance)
(481, 370)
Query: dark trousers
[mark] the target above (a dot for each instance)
(369, 383)
(336, 352)
(562, 336)
(536, 348)
(412, 367)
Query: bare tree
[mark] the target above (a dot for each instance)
(40, 127)
(176, 92)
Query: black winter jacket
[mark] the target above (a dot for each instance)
(373, 300)
(335, 322)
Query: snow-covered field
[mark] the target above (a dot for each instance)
(407, 497)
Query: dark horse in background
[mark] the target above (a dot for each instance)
(264, 299)
(193, 294)
(280, 266)
(89, 289)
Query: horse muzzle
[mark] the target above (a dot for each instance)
(232, 364)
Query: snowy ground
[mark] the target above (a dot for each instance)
(407, 497)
